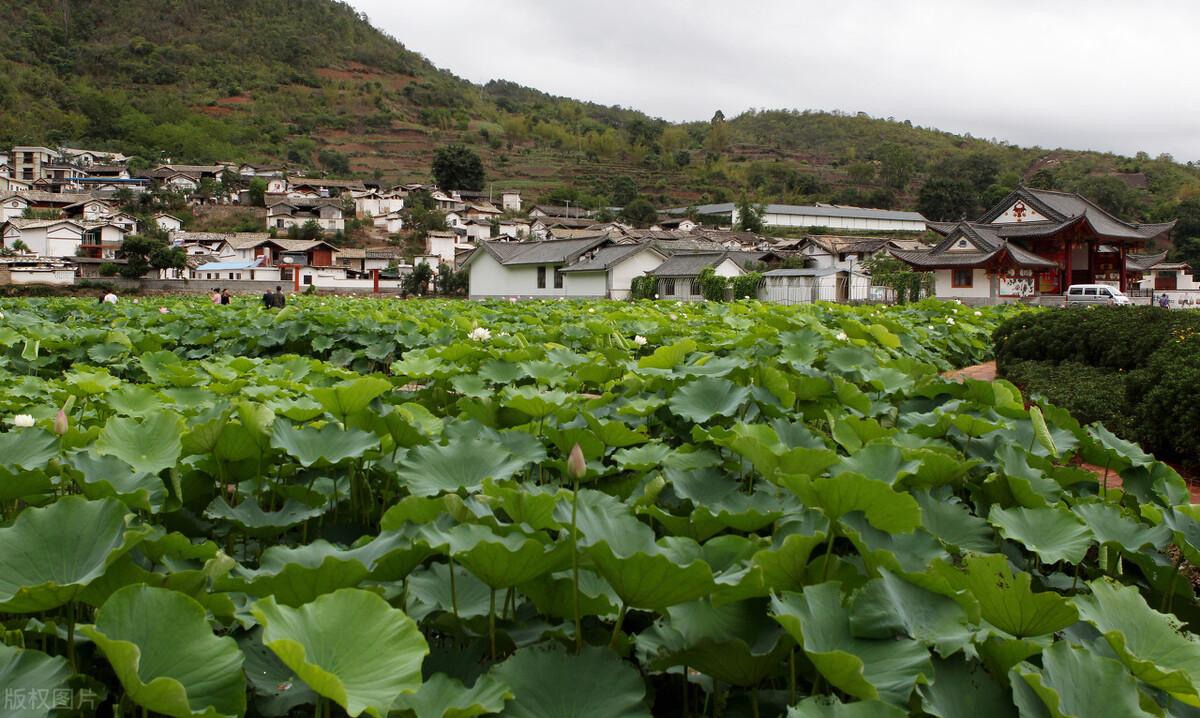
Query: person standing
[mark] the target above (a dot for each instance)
(110, 298)
(225, 298)
(215, 296)
(1164, 301)
(268, 299)
(279, 300)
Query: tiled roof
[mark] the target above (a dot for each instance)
(551, 251)
(1062, 207)
(688, 264)
(606, 257)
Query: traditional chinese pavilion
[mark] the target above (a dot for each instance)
(1032, 242)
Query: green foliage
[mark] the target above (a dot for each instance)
(109, 269)
(712, 285)
(749, 216)
(787, 497)
(1117, 365)
(258, 192)
(908, 285)
(746, 286)
(947, 199)
(417, 281)
(146, 252)
(457, 167)
(643, 287)
(640, 213)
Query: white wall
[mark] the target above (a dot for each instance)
(942, 289)
(489, 278)
(42, 276)
(801, 220)
(623, 272)
(168, 224)
(583, 284)
(728, 268)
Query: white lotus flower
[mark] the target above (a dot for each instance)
(591, 310)
(672, 317)
(480, 334)
(950, 321)
(639, 340)
(841, 336)
(656, 295)
(135, 300)
(979, 314)
(22, 420)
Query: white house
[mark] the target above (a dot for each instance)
(296, 212)
(608, 272)
(391, 222)
(12, 207)
(45, 237)
(181, 182)
(510, 200)
(678, 277)
(444, 246)
(819, 215)
(525, 269)
(374, 204)
(168, 222)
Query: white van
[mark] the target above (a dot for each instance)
(1095, 294)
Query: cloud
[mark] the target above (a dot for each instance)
(1101, 74)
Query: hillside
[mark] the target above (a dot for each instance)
(312, 84)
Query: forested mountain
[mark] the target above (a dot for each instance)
(311, 83)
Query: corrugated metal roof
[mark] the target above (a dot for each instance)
(815, 211)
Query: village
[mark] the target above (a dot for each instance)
(63, 221)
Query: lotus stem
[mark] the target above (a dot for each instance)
(792, 676)
(492, 623)
(617, 627)
(71, 635)
(686, 711)
(754, 701)
(453, 590)
(575, 570)
(1168, 601)
(828, 553)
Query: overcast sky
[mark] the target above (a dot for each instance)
(1096, 74)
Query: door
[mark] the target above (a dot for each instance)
(1165, 280)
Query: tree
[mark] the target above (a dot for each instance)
(144, 252)
(417, 281)
(749, 216)
(1110, 193)
(622, 190)
(458, 167)
(946, 199)
(258, 192)
(20, 247)
(897, 164)
(640, 213)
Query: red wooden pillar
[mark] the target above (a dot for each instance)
(296, 278)
(375, 281)
(1121, 259)
(1067, 256)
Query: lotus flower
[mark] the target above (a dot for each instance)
(135, 300)
(950, 321)
(61, 422)
(672, 317)
(979, 314)
(841, 336)
(639, 340)
(22, 420)
(163, 310)
(480, 334)
(576, 463)
(591, 310)
(656, 295)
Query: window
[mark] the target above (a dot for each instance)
(1089, 291)
(1076, 291)
(962, 278)
(306, 279)
(695, 290)
(668, 287)
(557, 279)
(541, 284)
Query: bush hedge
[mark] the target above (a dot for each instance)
(1135, 369)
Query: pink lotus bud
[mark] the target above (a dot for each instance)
(576, 464)
(61, 422)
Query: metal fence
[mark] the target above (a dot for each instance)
(841, 294)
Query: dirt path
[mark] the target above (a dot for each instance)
(983, 372)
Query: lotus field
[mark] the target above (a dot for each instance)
(568, 510)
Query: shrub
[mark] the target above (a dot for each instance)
(643, 287)
(1134, 369)
(712, 285)
(109, 269)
